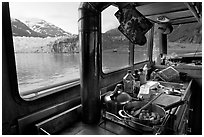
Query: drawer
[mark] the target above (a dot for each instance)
(183, 125)
(180, 113)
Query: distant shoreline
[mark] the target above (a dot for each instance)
(185, 47)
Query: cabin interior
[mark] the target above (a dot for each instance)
(79, 108)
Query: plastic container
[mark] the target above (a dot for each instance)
(129, 82)
(142, 77)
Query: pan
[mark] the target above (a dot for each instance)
(148, 117)
(146, 125)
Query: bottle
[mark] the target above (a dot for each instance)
(142, 74)
(154, 74)
(137, 83)
(129, 82)
(145, 70)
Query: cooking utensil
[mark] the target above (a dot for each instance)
(146, 105)
(125, 112)
(146, 125)
(114, 100)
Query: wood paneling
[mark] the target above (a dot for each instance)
(160, 8)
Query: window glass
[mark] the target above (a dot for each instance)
(115, 55)
(185, 40)
(141, 52)
(45, 37)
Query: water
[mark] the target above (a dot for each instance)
(112, 61)
(38, 70)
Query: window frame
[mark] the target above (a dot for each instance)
(131, 55)
(48, 90)
(103, 74)
(53, 89)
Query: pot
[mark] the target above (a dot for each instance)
(115, 100)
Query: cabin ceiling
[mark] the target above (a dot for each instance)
(177, 12)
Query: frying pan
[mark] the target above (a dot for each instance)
(125, 112)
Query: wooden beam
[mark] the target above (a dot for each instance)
(181, 20)
(161, 8)
(174, 15)
(184, 22)
(193, 10)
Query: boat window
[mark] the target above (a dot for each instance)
(184, 42)
(141, 52)
(45, 37)
(115, 46)
(185, 39)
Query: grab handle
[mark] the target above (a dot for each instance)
(120, 113)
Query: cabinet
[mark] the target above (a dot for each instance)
(181, 123)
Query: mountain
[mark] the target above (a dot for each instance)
(64, 42)
(114, 32)
(39, 36)
(37, 28)
(187, 33)
(64, 45)
(45, 28)
(114, 39)
(21, 29)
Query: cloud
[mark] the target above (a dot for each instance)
(109, 21)
(61, 14)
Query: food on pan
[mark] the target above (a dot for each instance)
(146, 114)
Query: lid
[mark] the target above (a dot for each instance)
(123, 98)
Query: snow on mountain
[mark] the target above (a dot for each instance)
(21, 29)
(45, 28)
(37, 28)
(37, 35)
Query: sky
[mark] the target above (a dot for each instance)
(61, 14)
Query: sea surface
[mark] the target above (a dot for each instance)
(38, 70)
